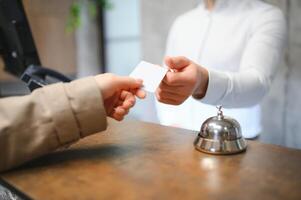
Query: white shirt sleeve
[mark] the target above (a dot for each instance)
(258, 66)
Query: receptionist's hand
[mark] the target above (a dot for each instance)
(183, 79)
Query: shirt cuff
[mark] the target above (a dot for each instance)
(217, 87)
(87, 105)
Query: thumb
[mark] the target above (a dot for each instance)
(127, 83)
(178, 62)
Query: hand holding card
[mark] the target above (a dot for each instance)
(151, 75)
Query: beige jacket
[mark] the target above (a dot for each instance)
(49, 118)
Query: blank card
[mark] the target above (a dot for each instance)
(151, 75)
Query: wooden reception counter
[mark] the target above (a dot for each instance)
(136, 160)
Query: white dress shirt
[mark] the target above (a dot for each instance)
(241, 44)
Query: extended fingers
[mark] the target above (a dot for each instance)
(119, 113)
(141, 94)
(175, 78)
(170, 99)
(126, 95)
(117, 116)
(163, 87)
(171, 94)
(127, 100)
(127, 83)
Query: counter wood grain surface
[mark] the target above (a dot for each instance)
(137, 160)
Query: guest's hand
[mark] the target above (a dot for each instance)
(119, 94)
(184, 79)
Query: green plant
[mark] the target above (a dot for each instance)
(74, 17)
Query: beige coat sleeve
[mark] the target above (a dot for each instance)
(49, 118)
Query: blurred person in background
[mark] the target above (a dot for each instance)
(224, 52)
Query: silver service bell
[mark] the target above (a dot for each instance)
(220, 135)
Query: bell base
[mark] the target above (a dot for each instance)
(226, 147)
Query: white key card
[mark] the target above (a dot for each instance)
(151, 75)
